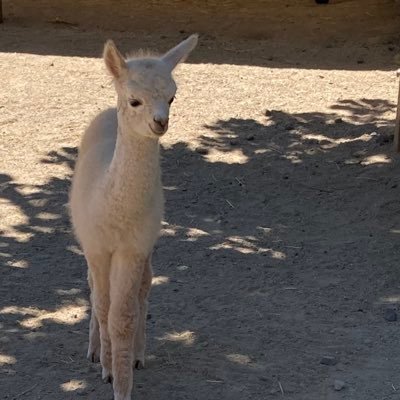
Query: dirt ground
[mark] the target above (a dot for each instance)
(280, 246)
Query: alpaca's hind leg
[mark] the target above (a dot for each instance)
(93, 353)
(140, 337)
(125, 281)
(100, 275)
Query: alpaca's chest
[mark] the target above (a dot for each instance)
(132, 222)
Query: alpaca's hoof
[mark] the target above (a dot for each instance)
(93, 356)
(121, 397)
(106, 376)
(93, 353)
(139, 364)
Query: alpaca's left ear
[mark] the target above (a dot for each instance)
(179, 53)
(114, 60)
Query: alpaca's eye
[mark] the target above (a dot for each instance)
(170, 102)
(135, 103)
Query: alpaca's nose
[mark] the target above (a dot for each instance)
(161, 122)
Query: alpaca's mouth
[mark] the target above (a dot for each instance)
(158, 132)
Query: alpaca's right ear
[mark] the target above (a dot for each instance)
(114, 60)
(179, 53)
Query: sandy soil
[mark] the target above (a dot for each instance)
(281, 238)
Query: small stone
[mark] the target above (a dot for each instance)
(250, 137)
(289, 127)
(338, 120)
(233, 142)
(391, 48)
(201, 150)
(149, 316)
(328, 360)
(390, 315)
(338, 384)
(360, 61)
(351, 161)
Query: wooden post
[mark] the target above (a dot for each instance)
(397, 127)
(1, 11)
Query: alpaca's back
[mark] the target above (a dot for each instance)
(95, 154)
(101, 135)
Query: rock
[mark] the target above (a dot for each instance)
(338, 120)
(390, 315)
(351, 161)
(250, 137)
(338, 384)
(233, 142)
(360, 61)
(328, 360)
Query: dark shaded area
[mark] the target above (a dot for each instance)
(341, 35)
(254, 273)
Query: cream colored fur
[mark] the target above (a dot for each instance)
(116, 205)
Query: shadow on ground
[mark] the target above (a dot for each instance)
(377, 52)
(280, 246)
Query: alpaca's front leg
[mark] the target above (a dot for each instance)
(125, 282)
(100, 275)
(140, 337)
(93, 353)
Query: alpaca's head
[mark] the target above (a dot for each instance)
(145, 86)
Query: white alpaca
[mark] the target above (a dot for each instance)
(116, 207)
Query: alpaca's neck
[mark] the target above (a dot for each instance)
(134, 173)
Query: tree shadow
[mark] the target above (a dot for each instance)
(273, 233)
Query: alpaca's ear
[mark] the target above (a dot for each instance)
(179, 53)
(114, 60)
